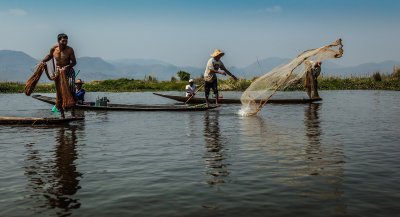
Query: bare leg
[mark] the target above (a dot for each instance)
(216, 100)
(73, 112)
(62, 113)
(206, 93)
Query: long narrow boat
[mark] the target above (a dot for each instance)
(235, 101)
(124, 107)
(36, 121)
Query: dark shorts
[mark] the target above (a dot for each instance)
(210, 85)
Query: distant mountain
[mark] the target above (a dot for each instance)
(261, 67)
(16, 66)
(366, 69)
(95, 68)
(137, 71)
(145, 62)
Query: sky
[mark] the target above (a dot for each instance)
(185, 33)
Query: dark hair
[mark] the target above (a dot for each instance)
(61, 35)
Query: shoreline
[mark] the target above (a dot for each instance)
(131, 85)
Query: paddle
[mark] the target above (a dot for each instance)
(195, 92)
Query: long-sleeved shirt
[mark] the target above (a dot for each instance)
(80, 95)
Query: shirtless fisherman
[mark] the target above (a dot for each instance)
(65, 59)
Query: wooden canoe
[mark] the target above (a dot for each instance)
(235, 101)
(36, 121)
(125, 107)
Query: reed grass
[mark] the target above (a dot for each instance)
(387, 82)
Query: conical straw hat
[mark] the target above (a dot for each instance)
(79, 81)
(217, 52)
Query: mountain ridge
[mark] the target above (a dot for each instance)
(17, 65)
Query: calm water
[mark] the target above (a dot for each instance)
(340, 157)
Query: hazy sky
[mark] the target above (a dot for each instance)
(184, 33)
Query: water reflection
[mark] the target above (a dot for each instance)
(324, 161)
(190, 130)
(314, 169)
(260, 135)
(312, 123)
(215, 157)
(53, 176)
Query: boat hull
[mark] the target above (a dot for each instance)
(235, 101)
(124, 107)
(36, 121)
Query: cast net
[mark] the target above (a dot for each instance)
(264, 87)
(34, 79)
(64, 98)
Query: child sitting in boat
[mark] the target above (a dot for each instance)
(80, 93)
(190, 88)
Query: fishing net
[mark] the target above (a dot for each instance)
(64, 98)
(264, 87)
(51, 69)
(31, 83)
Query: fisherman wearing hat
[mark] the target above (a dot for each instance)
(210, 75)
(80, 93)
(190, 88)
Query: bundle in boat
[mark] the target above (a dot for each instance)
(32, 82)
(264, 87)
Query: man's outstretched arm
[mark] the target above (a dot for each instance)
(229, 73)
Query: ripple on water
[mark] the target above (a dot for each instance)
(328, 158)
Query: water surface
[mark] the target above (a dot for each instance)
(339, 157)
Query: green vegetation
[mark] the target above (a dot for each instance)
(377, 76)
(375, 82)
(358, 84)
(184, 76)
(14, 87)
(353, 84)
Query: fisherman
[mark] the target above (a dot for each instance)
(313, 70)
(190, 88)
(64, 57)
(210, 75)
(80, 93)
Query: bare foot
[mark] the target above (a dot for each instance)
(206, 105)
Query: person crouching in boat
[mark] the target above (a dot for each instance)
(210, 75)
(80, 93)
(313, 70)
(190, 88)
